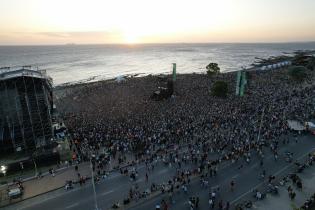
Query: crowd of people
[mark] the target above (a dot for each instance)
(119, 121)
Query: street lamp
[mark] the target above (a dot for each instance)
(35, 166)
(33, 156)
(3, 169)
(93, 184)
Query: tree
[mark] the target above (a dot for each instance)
(297, 73)
(220, 89)
(212, 68)
(311, 64)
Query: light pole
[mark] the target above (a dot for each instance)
(3, 169)
(35, 166)
(93, 184)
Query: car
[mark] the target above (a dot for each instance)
(15, 193)
(310, 126)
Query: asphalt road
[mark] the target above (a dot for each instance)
(116, 187)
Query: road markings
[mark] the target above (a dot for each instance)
(113, 176)
(108, 192)
(235, 176)
(140, 167)
(277, 173)
(163, 171)
(253, 166)
(139, 180)
(73, 205)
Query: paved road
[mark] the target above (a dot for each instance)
(246, 179)
(116, 186)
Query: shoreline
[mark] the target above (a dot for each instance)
(259, 65)
(60, 90)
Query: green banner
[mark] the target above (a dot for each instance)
(244, 79)
(238, 82)
(241, 81)
(174, 72)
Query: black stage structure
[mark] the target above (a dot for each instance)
(26, 104)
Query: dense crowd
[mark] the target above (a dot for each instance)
(119, 119)
(193, 115)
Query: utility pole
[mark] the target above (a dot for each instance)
(33, 155)
(93, 184)
(35, 166)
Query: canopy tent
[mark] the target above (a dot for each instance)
(120, 79)
(295, 125)
(310, 125)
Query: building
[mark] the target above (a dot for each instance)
(26, 104)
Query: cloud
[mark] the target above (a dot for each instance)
(79, 34)
(79, 37)
(83, 35)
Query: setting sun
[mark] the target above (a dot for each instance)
(145, 21)
(131, 40)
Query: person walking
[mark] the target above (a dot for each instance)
(227, 206)
(211, 203)
(220, 205)
(164, 205)
(232, 184)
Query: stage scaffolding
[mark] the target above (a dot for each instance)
(26, 104)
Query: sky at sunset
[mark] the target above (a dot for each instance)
(33, 22)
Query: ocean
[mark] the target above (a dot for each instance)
(87, 63)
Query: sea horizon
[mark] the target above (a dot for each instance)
(155, 43)
(82, 63)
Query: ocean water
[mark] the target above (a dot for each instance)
(85, 63)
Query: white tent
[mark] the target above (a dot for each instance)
(310, 125)
(295, 125)
(120, 79)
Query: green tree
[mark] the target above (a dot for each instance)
(220, 89)
(298, 73)
(311, 64)
(212, 68)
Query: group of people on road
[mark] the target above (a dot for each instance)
(119, 123)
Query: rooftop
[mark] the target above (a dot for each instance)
(13, 72)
